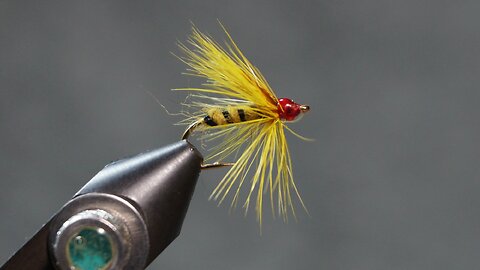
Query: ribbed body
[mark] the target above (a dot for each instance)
(229, 115)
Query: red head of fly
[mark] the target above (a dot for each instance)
(289, 110)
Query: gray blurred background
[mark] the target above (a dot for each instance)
(392, 180)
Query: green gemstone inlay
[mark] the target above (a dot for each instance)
(90, 249)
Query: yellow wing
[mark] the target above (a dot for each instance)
(228, 72)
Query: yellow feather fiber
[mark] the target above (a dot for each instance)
(264, 167)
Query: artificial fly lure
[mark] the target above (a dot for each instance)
(237, 107)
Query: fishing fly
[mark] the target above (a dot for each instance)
(237, 107)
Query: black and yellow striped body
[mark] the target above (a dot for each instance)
(229, 115)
